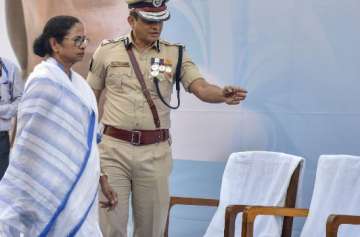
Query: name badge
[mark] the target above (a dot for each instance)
(119, 64)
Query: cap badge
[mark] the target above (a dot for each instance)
(157, 3)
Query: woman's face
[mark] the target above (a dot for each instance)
(72, 48)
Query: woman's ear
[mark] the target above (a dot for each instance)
(54, 45)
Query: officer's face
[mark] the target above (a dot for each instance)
(72, 48)
(145, 31)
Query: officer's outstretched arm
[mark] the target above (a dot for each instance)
(214, 94)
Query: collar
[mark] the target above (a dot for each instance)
(129, 41)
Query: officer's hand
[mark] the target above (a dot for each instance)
(109, 193)
(233, 95)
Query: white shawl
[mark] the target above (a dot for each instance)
(50, 187)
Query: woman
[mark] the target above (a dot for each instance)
(50, 187)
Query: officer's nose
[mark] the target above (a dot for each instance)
(156, 25)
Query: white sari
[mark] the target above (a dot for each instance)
(51, 185)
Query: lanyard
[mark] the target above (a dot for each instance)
(2, 67)
(6, 79)
(177, 82)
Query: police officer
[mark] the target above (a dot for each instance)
(138, 72)
(11, 88)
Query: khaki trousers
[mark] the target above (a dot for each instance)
(142, 171)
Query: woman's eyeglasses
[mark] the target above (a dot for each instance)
(79, 40)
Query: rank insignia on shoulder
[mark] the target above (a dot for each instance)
(125, 40)
(171, 44)
(112, 41)
(106, 41)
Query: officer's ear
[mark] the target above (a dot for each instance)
(131, 21)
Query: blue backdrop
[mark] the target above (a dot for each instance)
(299, 61)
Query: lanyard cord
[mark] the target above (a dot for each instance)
(10, 84)
(156, 81)
(2, 67)
(177, 82)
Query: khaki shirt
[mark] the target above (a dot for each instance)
(125, 105)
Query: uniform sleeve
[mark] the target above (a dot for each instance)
(189, 71)
(97, 70)
(8, 110)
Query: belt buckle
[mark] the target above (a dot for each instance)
(134, 141)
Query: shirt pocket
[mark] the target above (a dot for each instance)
(118, 73)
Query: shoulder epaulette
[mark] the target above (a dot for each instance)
(114, 41)
(171, 44)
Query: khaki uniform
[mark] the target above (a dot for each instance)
(140, 170)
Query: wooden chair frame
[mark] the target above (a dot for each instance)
(251, 212)
(332, 225)
(334, 221)
(233, 210)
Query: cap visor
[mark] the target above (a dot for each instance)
(155, 16)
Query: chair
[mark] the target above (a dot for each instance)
(335, 201)
(251, 178)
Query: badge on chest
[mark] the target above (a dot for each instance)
(160, 68)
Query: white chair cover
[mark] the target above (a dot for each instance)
(336, 191)
(254, 178)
